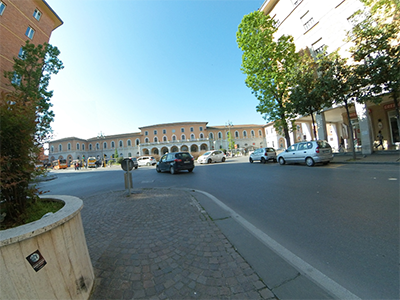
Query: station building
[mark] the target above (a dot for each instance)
(315, 24)
(193, 137)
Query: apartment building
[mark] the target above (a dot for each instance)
(193, 137)
(315, 24)
(22, 20)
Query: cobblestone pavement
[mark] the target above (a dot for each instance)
(158, 244)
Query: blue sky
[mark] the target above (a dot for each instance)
(133, 63)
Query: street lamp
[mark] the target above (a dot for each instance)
(101, 136)
(229, 125)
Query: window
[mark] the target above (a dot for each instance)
(174, 138)
(307, 21)
(37, 14)
(16, 79)
(137, 142)
(252, 133)
(201, 128)
(90, 146)
(211, 135)
(2, 8)
(129, 154)
(21, 53)
(69, 146)
(201, 135)
(155, 132)
(236, 134)
(244, 133)
(52, 149)
(259, 133)
(112, 144)
(191, 129)
(83, 146)
(60, 147)
(183, 137)
(97, 146)
(121, 144)
(192, 136)
(77, 146)
(164, 138)
(104, 145)
(220, 135)
(129, 143)
(146, 133)
(182, 129)
(30, 32)
(318, 46)
(155, 139)
(146, 140)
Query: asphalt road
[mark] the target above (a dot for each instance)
(341, 219)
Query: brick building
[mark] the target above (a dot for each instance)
(22, 20)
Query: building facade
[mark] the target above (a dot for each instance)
(193, 137)
(315, 24)
(22, 20)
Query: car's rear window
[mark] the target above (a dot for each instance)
(323, 144)
(183, 156)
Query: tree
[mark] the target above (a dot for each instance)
(376, 50)
(267, 63)
(116, 154)
(25, 118)
(308, 94)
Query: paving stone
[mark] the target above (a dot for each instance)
(155, 244)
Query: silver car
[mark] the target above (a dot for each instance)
(263, 155)
(307, 152)
(212, 156)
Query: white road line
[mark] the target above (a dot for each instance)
(304, 268)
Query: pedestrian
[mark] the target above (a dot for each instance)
(76, 166)
(380, 139)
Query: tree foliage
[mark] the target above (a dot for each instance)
(308, 94)
(267, 62)
(25, 118)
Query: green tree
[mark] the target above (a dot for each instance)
(376, 50)
(267, 62)
(116, 154)
(25, 118)
(308, 94)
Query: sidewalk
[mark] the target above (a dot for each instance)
(378, 157)
(160, 244)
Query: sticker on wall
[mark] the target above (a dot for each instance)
(36, 260)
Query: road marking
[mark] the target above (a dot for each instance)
(305, 268)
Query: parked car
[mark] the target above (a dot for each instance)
(146, 161)
(135, 162)
(212, 156)
(175, 162)
(307, 152)
(263, 155)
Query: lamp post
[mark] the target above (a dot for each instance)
(100, 137)
(229, 125)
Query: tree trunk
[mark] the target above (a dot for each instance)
(351, 130)
(313, 127)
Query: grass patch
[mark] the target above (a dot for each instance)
(35, 211)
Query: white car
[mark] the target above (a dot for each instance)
(212, 156)
(146, 161)
(263, 155)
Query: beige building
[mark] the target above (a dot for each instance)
(193, 137)
(315, 24)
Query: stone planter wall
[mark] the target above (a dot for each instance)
(62, 270)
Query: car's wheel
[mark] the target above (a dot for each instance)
(158, 169)
(223, 159)
(263, 160)
(148, 164)
(281, 161)
(250, 160)
(309, 161)
(209, 161)
(172, 170)
(136, 167)
(190, 170)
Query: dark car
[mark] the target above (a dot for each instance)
(135, 162)
(175, 162)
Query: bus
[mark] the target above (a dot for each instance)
(59, 164)
(91, 162)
